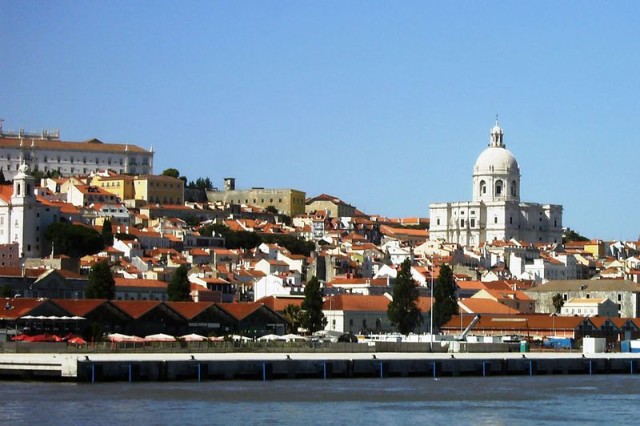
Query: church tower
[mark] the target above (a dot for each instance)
(23, 211)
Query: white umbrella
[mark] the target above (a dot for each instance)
(270, 337)
(159, 338)
(28, 317)
(193, 337)
(117, 337)
(294, 337)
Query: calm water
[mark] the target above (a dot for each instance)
(612, 399)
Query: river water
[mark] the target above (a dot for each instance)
(538, 400)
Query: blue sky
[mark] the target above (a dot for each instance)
(384, 104)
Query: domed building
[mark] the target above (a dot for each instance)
(496, 212)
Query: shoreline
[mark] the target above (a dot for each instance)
(200, 366)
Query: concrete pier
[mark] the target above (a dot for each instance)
(133, 367)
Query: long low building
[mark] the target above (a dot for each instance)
(93, 317)
(45, 152)
(624, 293)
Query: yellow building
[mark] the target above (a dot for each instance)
(595, 247)
(333, 205)
(287, 201)
(119, 185)
(158, 189)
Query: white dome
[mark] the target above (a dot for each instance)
(496, 159)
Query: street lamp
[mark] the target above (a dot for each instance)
(431, 312)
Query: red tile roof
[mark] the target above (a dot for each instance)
(135, 282)
(79, 307)
(240, 310)
(189, 310)
(11, 309)
(136, 308)
(280, 303)
(486, 306)
(356, 302)
(91, 145)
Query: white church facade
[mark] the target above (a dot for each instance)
(24, 219)
(496, 212)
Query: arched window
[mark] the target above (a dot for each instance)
(513, 188)
(498, 187)
(483, 187)
(19, 189)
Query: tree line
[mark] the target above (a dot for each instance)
(200, 183)
(250, 239)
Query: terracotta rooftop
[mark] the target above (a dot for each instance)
(92, 145)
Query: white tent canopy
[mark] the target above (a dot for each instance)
(270, 337)
(193, 338)
(159, 338)
(117, 337)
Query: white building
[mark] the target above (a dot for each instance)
(46, 152)
(496, 212)
(23, 219)
(543, 269)
(273, 285)
(601, 307)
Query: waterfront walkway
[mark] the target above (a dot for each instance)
(262, 366)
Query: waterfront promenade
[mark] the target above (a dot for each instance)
(94, 367)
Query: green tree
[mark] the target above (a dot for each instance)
(179, 288)
(444, 292)
(101, 283)
(175, 173)
(293, 315)
(571, 235)
(558, 302)
(403, 310)
(271, 209)
(203, 183)
(6, 291)
(74, 240)
(312, 316)
(107, 233)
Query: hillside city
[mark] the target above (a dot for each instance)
(247, 254)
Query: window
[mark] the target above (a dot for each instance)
(495, 219)
(438, 221)
(499, 187)
(462, 223)
(473, 223)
